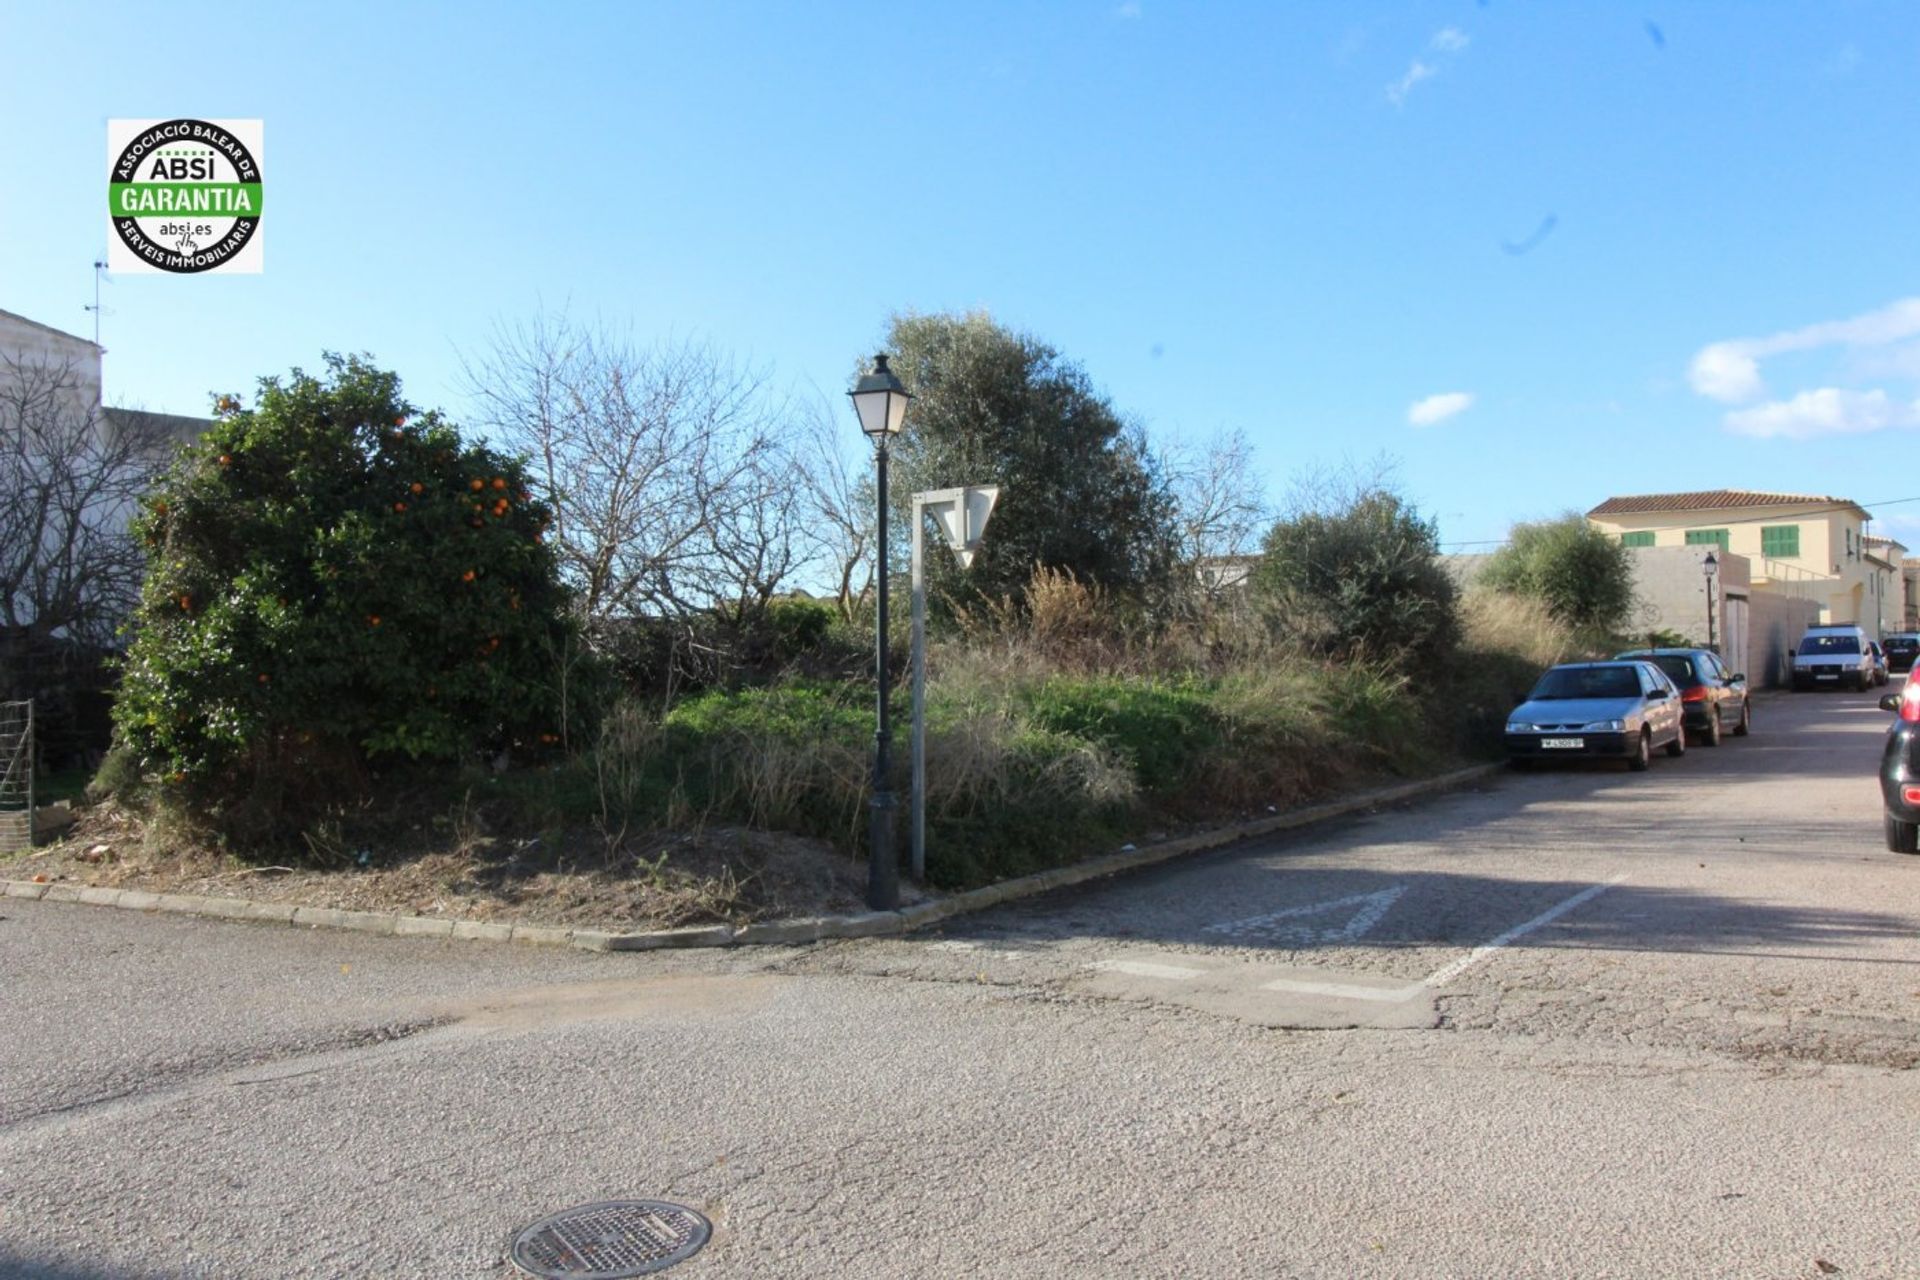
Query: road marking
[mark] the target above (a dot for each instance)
(1372, 906)
(1340, 991)
(1147, 969)
(1447, 973)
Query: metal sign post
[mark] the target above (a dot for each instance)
(963, 515)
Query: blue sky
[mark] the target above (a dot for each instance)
(1649, 248)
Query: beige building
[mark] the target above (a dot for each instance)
(1805, 547)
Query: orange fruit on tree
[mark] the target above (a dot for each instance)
(417, 488)
(478, 485)
(373, 619)
(499, 482)
(399, 506)
(467, 576)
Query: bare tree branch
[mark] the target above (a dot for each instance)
(666, 467)
(70, 475)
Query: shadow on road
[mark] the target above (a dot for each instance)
(18, 1266)
(1287, 912)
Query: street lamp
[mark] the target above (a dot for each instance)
(1708, 567)
(880, 399)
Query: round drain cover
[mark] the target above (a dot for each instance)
(610, 1240)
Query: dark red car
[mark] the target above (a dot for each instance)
(1712, 699)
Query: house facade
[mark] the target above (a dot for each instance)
(1802, 546)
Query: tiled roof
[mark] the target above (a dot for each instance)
(1710, 500)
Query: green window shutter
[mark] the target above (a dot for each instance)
(1707, 537)
(1780, 541)
(1644, 538)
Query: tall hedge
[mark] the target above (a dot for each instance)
(335, 577)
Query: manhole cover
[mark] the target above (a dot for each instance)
(610, 1240)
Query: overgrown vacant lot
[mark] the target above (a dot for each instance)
(748, 804)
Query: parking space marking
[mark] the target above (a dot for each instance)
(1283, 926)
(1341, 991)
(1448, 972)
(1147, 969)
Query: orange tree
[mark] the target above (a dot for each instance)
(335, 578)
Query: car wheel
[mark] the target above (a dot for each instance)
(1710, 736)
(1678, 747)
(1643, 754)
(1902, 837)
(1746, 720)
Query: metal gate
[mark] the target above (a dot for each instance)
(16, 776)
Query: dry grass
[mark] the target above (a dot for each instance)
(1521, 626)
(452, 868)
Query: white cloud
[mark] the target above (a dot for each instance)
(1730, 371)
(1725, 372)
(1397, 91)
(1825, 412)
(1446, 43)
(1438, 408)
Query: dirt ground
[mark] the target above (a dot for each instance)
(665, 880)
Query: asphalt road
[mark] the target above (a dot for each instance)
(1580, 1023)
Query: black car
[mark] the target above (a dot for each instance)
(1900, 771)
(1713, 701)
(1902, 648)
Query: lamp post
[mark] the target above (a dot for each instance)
(880, 400)
(1708, 567)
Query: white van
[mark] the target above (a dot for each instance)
(1833, 657)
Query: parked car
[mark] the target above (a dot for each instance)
(1713, 700)
(1902, 648)
(1832, 657)
(1900, 771)
(1617, 709)
(1879, 655)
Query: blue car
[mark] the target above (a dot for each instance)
(1619, 710)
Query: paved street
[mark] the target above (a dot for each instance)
(1581, 1023)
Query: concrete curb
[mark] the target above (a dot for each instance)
(763, 933)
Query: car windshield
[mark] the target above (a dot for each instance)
(1681, 669)
(1588, 682)
(1830, 644)
(1902, 643)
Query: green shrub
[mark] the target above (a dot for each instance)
(1161, 731)
(1361, 576)
(333, 578)
(1581, 573)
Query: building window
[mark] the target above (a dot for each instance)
(1644, 538)
(1780, 541)
(1707, 537)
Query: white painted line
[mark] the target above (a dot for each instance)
(1340, 991)
(1147, 969)
(1447, 973)
(1370, 908)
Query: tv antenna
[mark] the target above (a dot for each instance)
(99, 274)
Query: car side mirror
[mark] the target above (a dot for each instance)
(1890, 702)
(1737, 678)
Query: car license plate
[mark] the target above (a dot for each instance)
(1562, 744)
(1828, 676)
